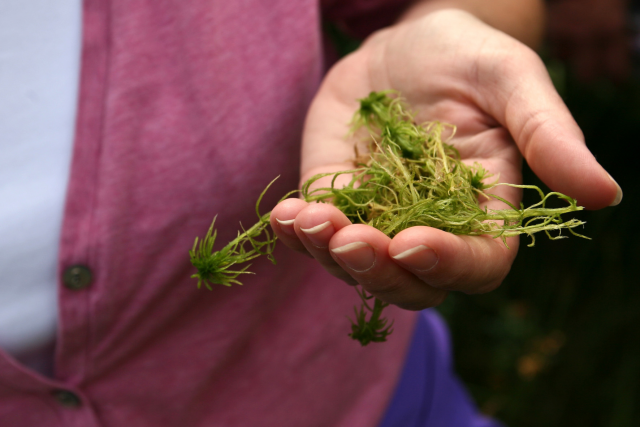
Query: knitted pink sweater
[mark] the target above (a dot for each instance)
(188, 109)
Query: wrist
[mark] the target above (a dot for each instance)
(522, 19)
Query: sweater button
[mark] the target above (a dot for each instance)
(67, 398)
(77, 277)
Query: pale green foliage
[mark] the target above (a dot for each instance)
(376, 328)
(412, 177)
(408, 177)
(222, 267)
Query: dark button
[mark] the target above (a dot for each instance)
(67, 398)
(77, 277)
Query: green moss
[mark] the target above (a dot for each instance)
(410, 177)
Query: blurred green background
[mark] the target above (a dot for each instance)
(558, 344)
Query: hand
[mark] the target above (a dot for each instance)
(450, 67)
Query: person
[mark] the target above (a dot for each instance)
(504, 106)
(188, 110)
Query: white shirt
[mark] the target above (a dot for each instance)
(39, 72)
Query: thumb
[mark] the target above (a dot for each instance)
(525, 101)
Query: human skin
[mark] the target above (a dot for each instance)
(454, 67)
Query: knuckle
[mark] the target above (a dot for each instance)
(403, 293)
(384, 287)
(396, 291)
(449, 280)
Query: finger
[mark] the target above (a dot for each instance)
(282, 218)
(470, 264)
(314, 226)
(517, 91)
(363, 252)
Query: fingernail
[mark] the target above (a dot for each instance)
(421, 258)
(287, 226)
(320, 234)
(358, 256)
(286, 221)
(618, 198)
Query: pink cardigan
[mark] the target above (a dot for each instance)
(188, 109)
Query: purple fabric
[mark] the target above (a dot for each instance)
(429, 394)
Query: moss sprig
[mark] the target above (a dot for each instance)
(374, 329)
(222, 267)
(409, 177)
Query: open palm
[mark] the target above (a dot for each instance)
(450, 67)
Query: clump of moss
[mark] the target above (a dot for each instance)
(409, 176)
(412, 177)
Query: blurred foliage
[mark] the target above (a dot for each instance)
(558, 344)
